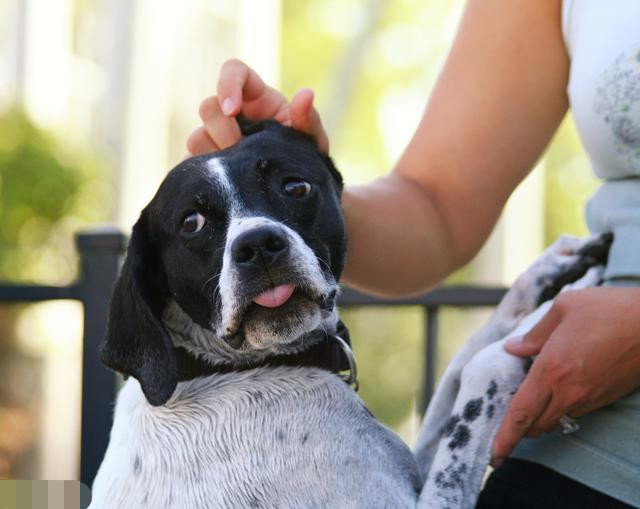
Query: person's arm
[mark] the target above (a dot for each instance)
(500, 97)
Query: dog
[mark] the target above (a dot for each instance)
(224, 320)
(229, 281)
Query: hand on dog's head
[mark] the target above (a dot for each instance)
(248, 242)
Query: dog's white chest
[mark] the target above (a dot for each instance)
(283, 437)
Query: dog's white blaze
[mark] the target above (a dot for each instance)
(218, 171)
(228, 276)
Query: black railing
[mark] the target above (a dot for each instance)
(100, 253)
(431, 302)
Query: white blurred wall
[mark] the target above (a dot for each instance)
(125, 77)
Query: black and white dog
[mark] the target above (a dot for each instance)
(224, 319)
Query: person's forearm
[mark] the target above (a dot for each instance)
(499, 98)
(398, 241)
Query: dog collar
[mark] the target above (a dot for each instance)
(332, 353)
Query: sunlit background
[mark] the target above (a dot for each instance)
(97, 98)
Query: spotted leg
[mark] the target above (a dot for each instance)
(565, 261)
(487, 384)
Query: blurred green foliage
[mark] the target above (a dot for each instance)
(47, 192)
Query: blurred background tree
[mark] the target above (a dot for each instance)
(47, 192)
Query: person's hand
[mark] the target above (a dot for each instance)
(241, 91)
(589, 356)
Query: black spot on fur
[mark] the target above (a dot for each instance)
(137, 465)
(460, 437)
(493, 388)
(472, 410)
(451, 477)
(450, 425)
(490, 411)
(305, 437)
(280, 435)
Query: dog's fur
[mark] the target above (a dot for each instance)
(279, 436)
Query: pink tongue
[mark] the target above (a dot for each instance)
(275, 297)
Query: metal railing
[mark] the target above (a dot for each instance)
(431, 302)
(100, 253)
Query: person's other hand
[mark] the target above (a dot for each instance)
(242, 91)
(589, 356)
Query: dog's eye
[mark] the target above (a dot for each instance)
(193, 222)
(296, 188)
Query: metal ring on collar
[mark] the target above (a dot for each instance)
(568, 424)
(352, 377)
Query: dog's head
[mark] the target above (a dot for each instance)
(241, 249)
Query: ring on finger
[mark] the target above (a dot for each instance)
(568, 424)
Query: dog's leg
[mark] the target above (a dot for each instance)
(564, 261)
(488, 382)
(441, 405)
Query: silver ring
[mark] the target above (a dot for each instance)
(568, 424)
(352, 377)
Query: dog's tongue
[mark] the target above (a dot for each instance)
(275, 297)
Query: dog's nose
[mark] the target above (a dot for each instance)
(263, 245)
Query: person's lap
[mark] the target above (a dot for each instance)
(520, 484)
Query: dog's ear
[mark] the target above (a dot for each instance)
(337, 176)
(137, 343)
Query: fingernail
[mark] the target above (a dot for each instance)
(514, 341)
(227, 106)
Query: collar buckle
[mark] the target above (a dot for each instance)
(352, 377)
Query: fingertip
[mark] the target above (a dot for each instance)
(305, 95)
(496, 462)
(302, 103)
(231, 103)
(228, 106)
(514, 345)
(514, 341)
(304, 117)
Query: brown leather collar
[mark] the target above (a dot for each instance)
(327, 354)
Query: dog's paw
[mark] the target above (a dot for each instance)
(590, 252)
(564, 262)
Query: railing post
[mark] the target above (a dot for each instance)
(430, 356)
(99, 259)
